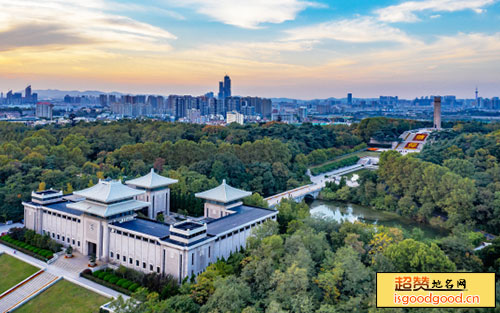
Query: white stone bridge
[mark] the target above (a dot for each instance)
(319, 182)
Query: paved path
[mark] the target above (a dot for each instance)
(4, 228)
(68, 269)
(29, 288)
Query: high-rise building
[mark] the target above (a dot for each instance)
(227, 86)
(27, 94)
(224, 88)
(220, 96)
(44, 110)
(302, 113)
(8, 98)
(103, 100)
(437, 113)
(349, 98)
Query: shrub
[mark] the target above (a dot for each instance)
(114, 279)
(121, 281)
(133, 287)
(127, 284)
(108, 277)
(96, 273)
(101, 275)
(335, 165)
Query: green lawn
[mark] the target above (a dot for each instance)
(360, 154)
(65, 297)
(13, 271)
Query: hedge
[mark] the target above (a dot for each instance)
(35, 252)
(127, 284)
(108, 277)
(112, 281)
(134, 287)
(105, 283)
(335, 165)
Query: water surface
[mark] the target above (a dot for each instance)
(340, 211)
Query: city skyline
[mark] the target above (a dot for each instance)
(290, 48)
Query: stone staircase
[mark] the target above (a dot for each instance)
(25, 290)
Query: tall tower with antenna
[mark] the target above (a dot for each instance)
(477, 97)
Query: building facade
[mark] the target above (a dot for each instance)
(103, 220)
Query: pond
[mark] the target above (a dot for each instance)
(340, 211)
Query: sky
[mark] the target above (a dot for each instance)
(270, 48)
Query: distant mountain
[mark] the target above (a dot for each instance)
(59, 94)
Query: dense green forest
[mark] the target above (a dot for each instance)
(310, 264)
(266, 158)
(299, 263)
(454, 180)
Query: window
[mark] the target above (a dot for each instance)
(78, 243)
(151, 267)
(145, 239)
(131, 261)
(62, 238)
(118, 232)
(68, 240)
(111, 254)
(209, 252)
(118, 256)
(143, 264)
(57, 236)
(73, 242)
(158, 269)
(124, 259)
(192, 258)
(137, 263)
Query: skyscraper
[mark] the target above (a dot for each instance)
(227, 86)
(220, 96)
(27, 94)
(349, 98)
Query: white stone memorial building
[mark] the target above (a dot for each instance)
(103, 220)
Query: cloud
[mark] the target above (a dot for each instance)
(406, 11)
(358, 30)
(248, 14)
(57, 23)
(35, 34)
